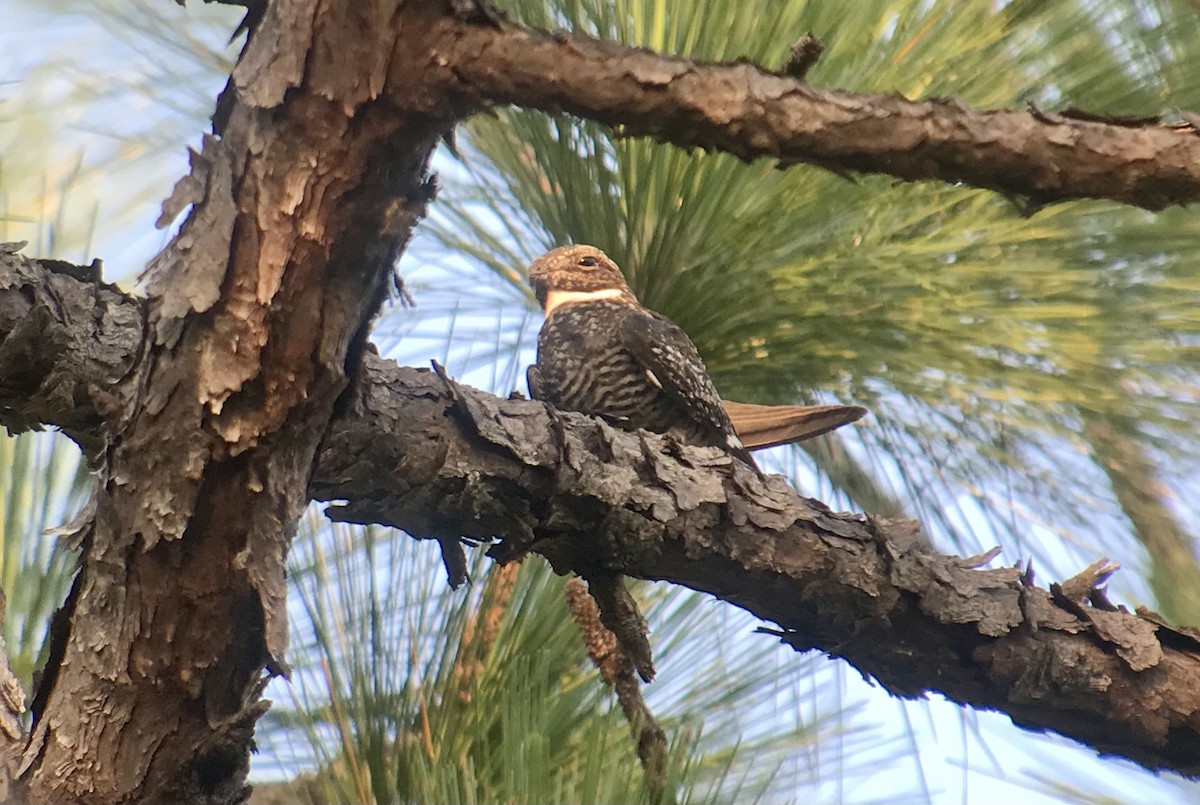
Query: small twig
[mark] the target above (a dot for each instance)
(1028, 578)
(454, 559)
(619, 612)
(616, 669)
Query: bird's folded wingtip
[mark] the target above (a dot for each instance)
(761, 426)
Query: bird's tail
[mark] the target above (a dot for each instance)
(761, 426)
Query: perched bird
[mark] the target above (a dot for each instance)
(600, 352)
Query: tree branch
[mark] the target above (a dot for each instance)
(587, 496)
(405, 453)
(752, 112)
(66, 341)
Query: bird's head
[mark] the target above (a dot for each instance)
(572, 274)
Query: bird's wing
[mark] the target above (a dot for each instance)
(770, 425)
(673, 364)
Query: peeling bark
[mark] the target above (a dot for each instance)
(12, 708)
(867, 590)
(205, 406)
(301, 201)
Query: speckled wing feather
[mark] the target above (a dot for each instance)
(672, 363)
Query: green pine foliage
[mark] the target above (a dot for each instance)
(407, 692)
(41, 486)
(982, 339)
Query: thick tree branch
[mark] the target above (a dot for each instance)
(66, 342)
(589, 498)
(752, 112)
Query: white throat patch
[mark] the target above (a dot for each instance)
(556, 299)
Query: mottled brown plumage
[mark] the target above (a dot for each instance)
(600, 352)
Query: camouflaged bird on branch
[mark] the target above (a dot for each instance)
(601, 352)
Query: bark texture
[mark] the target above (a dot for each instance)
(301, 201)
(204, 407)
(751, 112)
(12, 708)
(69, 340)
(588, 498)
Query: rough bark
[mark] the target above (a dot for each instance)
(203, 408)
(12, 708)
(69, 339)
(589, 497)
(405, 452)
(752, 112)
(302, 199)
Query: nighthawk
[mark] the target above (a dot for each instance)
(601, 352)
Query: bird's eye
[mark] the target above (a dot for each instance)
(588, 261)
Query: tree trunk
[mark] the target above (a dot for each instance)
(258, 311)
